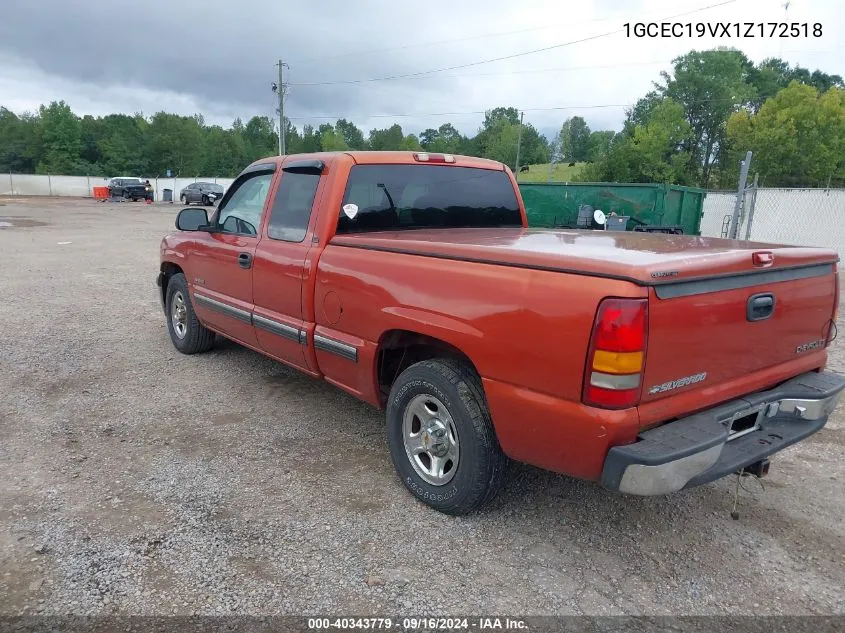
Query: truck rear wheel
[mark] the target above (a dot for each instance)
(441, 437)
(189, 336)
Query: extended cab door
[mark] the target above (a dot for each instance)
(222, 284)
(280, 263)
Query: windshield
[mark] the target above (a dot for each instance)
(390, 197)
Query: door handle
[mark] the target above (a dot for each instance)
(245, 260)
(760, 307)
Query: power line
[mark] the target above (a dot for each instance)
(505, 57)
(449, 41)
(421, 44)
(556, 70)
(468, 112)
(514, 72)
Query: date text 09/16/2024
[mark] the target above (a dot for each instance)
(420, 624)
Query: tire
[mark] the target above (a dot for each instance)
(184, 199)
(479, 472)
(195, 337)
(205, 201)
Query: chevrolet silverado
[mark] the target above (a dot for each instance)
(648, 363)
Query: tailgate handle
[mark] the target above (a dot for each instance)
(760, 306)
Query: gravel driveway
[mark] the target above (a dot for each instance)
(135, 480)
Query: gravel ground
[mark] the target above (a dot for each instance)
(135, 480)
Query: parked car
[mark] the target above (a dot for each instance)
(129, 188)
(650, 363)
(206, 193)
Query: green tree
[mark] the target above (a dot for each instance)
(61, 140)
(387, 139)
(19, 147)
(774, 74)
(310, 139)
(710, 86)
(173, 142)
(260, 138)
(293, 140)
(653, 151)
(120, 144)
(598, 145)
(352, 136)
(331, 140)
(411, 143)
(445, 139)
(798, 137)
(574, 139)
(492, 117)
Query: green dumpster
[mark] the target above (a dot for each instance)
(658, 205)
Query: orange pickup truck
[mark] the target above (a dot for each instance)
(649, 363)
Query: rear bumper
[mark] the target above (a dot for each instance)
(701, 448)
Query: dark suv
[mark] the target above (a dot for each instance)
(129, 188)
(206, 193)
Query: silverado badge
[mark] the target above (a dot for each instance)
(680, 382)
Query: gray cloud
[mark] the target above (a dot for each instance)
(217, 57)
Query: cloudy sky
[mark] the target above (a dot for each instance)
(217, 57)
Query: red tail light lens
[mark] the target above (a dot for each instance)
(616, 359)
(610, 398)
(620, 325)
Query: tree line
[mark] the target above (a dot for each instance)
(692, 128)
(698, 121)
(56, 141)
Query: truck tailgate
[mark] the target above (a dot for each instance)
(709, 330)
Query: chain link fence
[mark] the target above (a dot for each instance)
(804, 217)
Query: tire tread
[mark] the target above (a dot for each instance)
(467, 384)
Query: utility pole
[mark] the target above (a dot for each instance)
(279, 89)
(519, 143)
(740, 195)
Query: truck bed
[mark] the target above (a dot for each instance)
(642, 258)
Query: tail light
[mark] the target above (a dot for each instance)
(426, 157)
(831, 331)
(616, 359)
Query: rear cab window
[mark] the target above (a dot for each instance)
(401, 197)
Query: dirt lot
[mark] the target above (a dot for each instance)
(137, 480)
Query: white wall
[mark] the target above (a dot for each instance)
(82, 186)
(807, 217)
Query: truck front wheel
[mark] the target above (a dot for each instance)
(189, 336)
(441, 437)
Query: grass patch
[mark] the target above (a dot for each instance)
(562, 172)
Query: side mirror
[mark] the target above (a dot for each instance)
(191, 219)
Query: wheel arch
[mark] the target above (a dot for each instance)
(167, 270)
(399, 348)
